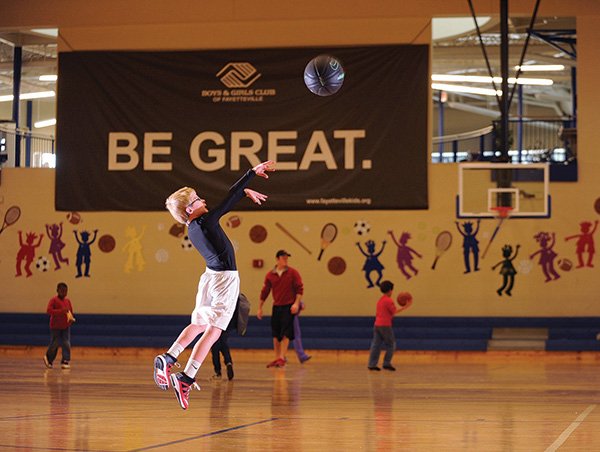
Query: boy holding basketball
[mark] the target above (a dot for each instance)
(383, 333)
(219, 286)
(60, 311)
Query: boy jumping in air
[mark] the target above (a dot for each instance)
(219, 286)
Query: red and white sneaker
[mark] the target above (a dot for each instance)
(182, 384)
(281, 362)
(277, 363)
(162, 370)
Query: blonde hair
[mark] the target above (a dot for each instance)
(177, 203)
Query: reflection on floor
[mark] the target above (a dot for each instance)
(434, 401)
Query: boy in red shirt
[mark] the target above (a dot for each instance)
(61, 318)
(383, 333)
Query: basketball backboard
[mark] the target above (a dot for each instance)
(483, 187)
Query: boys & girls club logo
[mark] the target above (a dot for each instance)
(238, 78)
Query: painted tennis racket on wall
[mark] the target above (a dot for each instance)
(328, 235)
(11, 216)
(442, 243)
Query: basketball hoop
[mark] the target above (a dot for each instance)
(502, 212)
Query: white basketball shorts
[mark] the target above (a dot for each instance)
(216, 298)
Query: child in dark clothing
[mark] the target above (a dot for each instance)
(221, 347)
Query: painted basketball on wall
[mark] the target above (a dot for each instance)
(106, 243)
(336, 265)
(258, 234)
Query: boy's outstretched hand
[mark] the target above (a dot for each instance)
(255, 196)
(262, 168)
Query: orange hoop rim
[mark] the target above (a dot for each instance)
(503, 211)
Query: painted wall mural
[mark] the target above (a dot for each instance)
(84, 252)
(470, 244)
(336, 265)
(547, 255)
(372, 249)
(372, 263)
(328, 235)
(107, 243)
(133, 249)
(11, 216)
(585, 243)
(26, 252)
(55, 232)
(507, 269)
(258, 233)
(356, 253)
(443, 242)
(405, 254)
(291, 236)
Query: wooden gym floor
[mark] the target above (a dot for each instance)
(495, 401)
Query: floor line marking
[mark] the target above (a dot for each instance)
(204, 435)
(570, 429)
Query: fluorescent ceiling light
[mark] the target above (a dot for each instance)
(39, 95)
(541, 67)
(48, 78)
(53, 32)
(27, 96)
(465, 89)
(45, 123)
(485, 79)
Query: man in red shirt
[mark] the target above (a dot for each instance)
(61, 318)
(287, 287)
(383, 333)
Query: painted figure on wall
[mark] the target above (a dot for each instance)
(372, 263)
(547, 254)
(470, 244)
(133, 248)
(585, 243)
(27, 251)
(84, 252)
(507, 270)
(54, 232)
(405, 254)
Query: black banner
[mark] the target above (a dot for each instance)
(132, 127)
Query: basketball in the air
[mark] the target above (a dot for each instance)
(404, 298)
(324, 75)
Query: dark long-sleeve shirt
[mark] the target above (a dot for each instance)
(207, 235)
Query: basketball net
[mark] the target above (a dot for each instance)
(502, 213)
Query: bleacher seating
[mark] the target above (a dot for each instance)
(324, 333)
